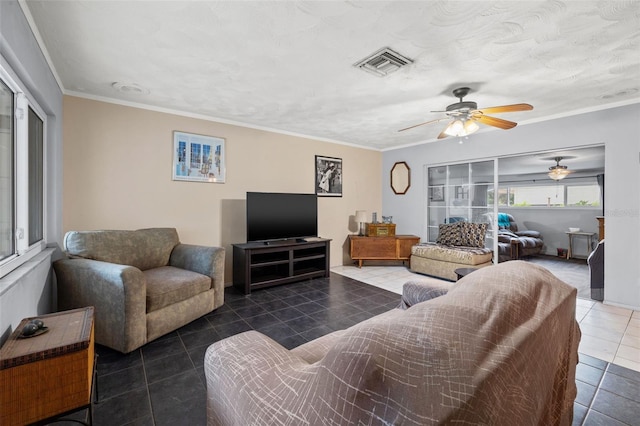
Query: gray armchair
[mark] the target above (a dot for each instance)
(143, 284)
(515, 244)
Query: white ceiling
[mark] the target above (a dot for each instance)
(288, 65)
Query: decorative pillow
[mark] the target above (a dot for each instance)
(449, 234)
(472, 234)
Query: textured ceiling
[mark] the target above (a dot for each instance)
(288, 65)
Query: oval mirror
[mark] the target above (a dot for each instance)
(400, 177)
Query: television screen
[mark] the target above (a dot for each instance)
(281, 216)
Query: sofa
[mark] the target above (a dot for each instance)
(143, 283)
(497, 347)
(460, 244)
(514, 243)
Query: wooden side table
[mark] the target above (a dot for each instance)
(463, 272)
(381, 248)
(49, 375)
(587, 235)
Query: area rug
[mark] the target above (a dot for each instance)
(574, 272)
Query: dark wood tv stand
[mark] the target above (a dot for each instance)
(257, 265)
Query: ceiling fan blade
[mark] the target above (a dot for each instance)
(443, 135)
(422, 124)
(506, 108)
(495, 122)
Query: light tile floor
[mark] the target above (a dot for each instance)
(609, 333)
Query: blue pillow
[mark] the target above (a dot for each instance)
(503, 220)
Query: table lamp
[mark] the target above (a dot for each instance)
(361, 218)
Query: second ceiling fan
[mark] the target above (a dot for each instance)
(465, 116)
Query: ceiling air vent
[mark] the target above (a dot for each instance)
(383, 62)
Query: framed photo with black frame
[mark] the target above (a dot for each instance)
(328, 181)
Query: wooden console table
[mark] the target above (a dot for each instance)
(49, 375)
(258, 265)
(381, 248)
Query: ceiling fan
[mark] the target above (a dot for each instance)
(465, 116)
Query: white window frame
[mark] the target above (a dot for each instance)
(23, 101)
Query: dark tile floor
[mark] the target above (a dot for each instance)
(163, 382)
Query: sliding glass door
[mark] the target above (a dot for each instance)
(461, 192)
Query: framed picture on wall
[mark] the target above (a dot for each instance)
(437, 193)
(328, 176)
(198, 158)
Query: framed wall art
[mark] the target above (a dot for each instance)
(198, 158)
(437, 193)
(328, 176)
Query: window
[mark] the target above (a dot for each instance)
(543, 195)
(7, 205)
(583, 195)
(558, 195)
(22, 170)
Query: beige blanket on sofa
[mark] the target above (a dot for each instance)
(499, 348)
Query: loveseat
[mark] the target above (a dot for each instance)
(498, 347)
(460, 244)
(143, 284)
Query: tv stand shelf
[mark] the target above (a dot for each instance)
(258, 265)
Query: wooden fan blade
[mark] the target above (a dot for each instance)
(443, 135)
(506, 108)
(422, 124)
(495, 122)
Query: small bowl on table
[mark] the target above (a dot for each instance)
(573, 230)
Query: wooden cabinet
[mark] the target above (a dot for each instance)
(257, 265)
(51, 374)
(600, 227)
(381, 248)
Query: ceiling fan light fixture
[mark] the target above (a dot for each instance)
(454, 128)
(471, 126)
(558, 172)
(461, 127)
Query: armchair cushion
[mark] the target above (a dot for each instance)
(168, 285)
(123, 247)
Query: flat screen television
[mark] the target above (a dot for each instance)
(275, 216)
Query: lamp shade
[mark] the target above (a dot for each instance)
(361, 216)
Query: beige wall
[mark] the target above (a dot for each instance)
(117, 175)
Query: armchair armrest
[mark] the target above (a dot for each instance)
(414, 292)
(241, 372)
(204, 260)
(118, 293)
(505, 238)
